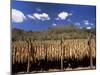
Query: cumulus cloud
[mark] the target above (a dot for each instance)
(43, 16)
(63, 15)
(86, 22)
(88, 27)
(54, 24)
(17, 16)
(31, 17)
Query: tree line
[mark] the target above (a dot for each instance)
(53, 33)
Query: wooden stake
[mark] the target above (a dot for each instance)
(62, 53)
(28, 62)
(90, 52)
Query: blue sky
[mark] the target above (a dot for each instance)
(40, 16)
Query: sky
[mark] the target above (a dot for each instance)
(36, 16)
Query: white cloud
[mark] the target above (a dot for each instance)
(88, 27)
(69, 20)
(31, 17)
(77, 23)
(91, 24)
(63, 15)
(54, 24)
(43, 16)
(38, 16)
(17, 16)
(38, 9)
(86, 22)
(57, 18)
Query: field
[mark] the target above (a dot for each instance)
(49, 37)
(53, 55)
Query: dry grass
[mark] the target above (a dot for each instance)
(51, 50)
